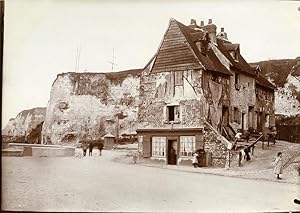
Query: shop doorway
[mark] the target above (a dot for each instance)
(259, 121)
(172, 152)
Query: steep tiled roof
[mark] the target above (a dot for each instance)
(260, 80)
(240, 65)
(209, 60)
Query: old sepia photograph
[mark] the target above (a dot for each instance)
(150, 106)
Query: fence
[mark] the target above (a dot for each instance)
(289, 133)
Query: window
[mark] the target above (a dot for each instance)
(267, 120)
(173, 113)
(237, 78)
(158, 146)
(178, 78)
(236, 114)
(237, 81)
(187, 145)
(216, 78)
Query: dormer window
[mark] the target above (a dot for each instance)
(237, 81)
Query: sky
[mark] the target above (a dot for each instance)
(42, 37)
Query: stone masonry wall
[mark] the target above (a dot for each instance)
(242, 98)
(213, 146)
(158, 91)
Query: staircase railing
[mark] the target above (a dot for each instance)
(252, 145)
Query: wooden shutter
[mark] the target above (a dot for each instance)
(146, 147)
(232, 115)
(199, 141)
(239, 116)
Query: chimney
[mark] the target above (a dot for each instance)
(193, 22)
(222, 34)
(212, 31)
(202, 24)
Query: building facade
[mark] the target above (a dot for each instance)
(196, 88)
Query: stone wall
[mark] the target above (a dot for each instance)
(158, 91)
(214, 146)
(242, 96)
(86, 105)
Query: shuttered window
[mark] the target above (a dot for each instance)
(178, 78)
(187, 145)
(236, 115)
(159, 146)
(146, 147)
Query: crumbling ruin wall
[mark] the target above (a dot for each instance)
(85, 105)
(213, 105)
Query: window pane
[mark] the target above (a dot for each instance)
(158, 146)
(187, 145)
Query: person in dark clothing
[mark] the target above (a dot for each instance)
(91, 149)
(247, 151)
(247, 135)
(100, 147)
(173, 156)
(84, 148)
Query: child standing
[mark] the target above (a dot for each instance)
(278, 165)
(195, 160)
(135, 156)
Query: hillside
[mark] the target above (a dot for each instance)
(285, 74)
(87, 105)
(25, 122)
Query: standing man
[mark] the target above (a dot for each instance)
(100, 147)
(91, 149)
(84, 148)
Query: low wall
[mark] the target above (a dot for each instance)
(52, 152)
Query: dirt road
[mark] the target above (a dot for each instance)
(99, 184)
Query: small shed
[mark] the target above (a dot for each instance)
(109, 141)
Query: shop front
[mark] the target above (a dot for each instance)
(170, 146)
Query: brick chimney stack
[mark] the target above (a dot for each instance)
(193, 22)
(222, 34)
(212, 31)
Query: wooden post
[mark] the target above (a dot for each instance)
(117, 132)
(229, 159)
(240, 158)
(262, 143)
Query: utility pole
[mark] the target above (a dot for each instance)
(78, 52)
(112, 62)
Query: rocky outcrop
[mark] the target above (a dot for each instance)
(285, 74)
(25, 122)
(90, 105)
